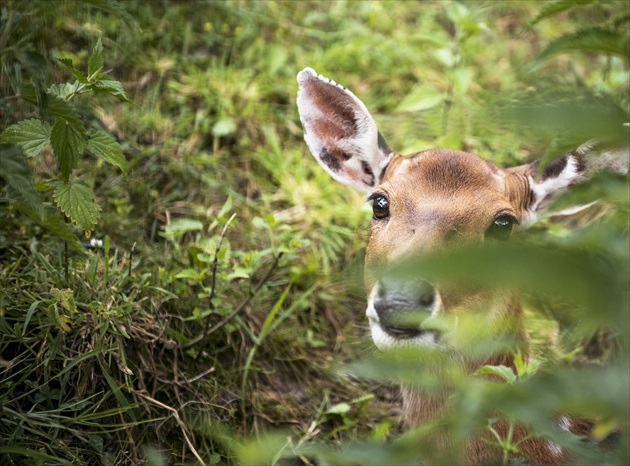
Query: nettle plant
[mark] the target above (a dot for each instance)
(61, 128)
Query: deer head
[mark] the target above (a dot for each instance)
(425, 202)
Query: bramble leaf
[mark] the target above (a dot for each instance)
(104, 146)
(504, 372)
(31, 135)
(76, 200)
(15, 171)
(50, 102)
(63, 90)
(181, 226)
(77, 74)
(68, 141)
(95, 62)
(111, 87)
(49, 218)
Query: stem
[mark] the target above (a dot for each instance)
(213, 280)
(133, 248)
(508, 444)
(240, 307)
(65, 261)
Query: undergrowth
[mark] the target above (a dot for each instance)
(222, 291)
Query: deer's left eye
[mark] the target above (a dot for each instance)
(380, 206)
(501, 228)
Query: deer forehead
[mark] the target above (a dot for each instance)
(445, 187)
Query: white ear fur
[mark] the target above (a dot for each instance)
(340, 132)
(574, 168)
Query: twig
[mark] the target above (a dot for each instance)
(213, 282)
(179, 422)
(133, 248)
(239, 309)
(215, 263)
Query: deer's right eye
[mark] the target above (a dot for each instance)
(380, 206)
(501, 228)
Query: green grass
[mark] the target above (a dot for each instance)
(229, 292)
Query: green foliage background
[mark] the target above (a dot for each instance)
(227, 292)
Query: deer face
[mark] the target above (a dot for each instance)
(427, 202)
(424, 203)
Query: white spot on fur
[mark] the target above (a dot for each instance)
(565, 423)
(544, 190)
(569, 175)
(555, 449)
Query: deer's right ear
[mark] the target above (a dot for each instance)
(340, 132)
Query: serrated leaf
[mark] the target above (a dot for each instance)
(68, 141)
(180, 227)
(104, 146)
(48, 102)
(504, 372)
(69, 65)
(63, 90)
(15, 171)
(111, 87)
(31, 135)
(77, 202)
(65, 297)
(95, 62)
(52, 222)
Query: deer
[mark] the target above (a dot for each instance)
(427, 202)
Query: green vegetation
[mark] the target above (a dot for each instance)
(215, 321)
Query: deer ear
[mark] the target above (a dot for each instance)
(575, 167)
(340, 132)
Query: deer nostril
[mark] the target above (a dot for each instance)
(426, 295)
(397, 294)
(402, 305)
(427, 298)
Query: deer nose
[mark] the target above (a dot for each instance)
(402, 305)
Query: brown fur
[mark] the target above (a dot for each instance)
(439, 198)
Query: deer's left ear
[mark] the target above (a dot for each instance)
(573, 168)
(340, 132)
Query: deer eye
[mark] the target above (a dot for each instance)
(380, 206)
(501, 228)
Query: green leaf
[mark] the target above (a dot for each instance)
(52, 222)
(224, 127)
(504, 372)
(104, 146)
(49, 102)
(95, 62)
(63, 90)
(594, 39)
(31, 135)
(68, 140)
(15, 171)
(65, 297)
(421, 98)
(77, 74)
(558, 6)
(339, 408)
(76, 200)
(180, 227)
(111, 87)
